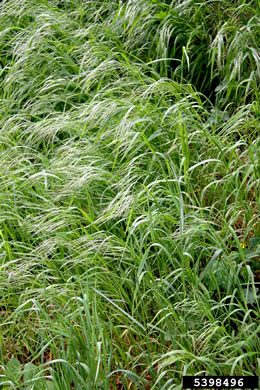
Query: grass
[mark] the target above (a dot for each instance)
(129, 192)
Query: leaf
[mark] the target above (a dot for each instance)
(253, 252)
(29, 372)
(251, 295)
(13, 365)
(49, 385)
(13, 369)
(161, 15)
(42, 385)
(254, 243)
(219, 88)
(2, 380)
(210, 264)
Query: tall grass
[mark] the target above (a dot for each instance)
(129, 193)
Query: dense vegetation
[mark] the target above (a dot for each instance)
(129, 192)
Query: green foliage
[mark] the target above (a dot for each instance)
(129, 192)
(27, 377)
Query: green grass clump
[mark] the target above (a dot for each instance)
(129, 192)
